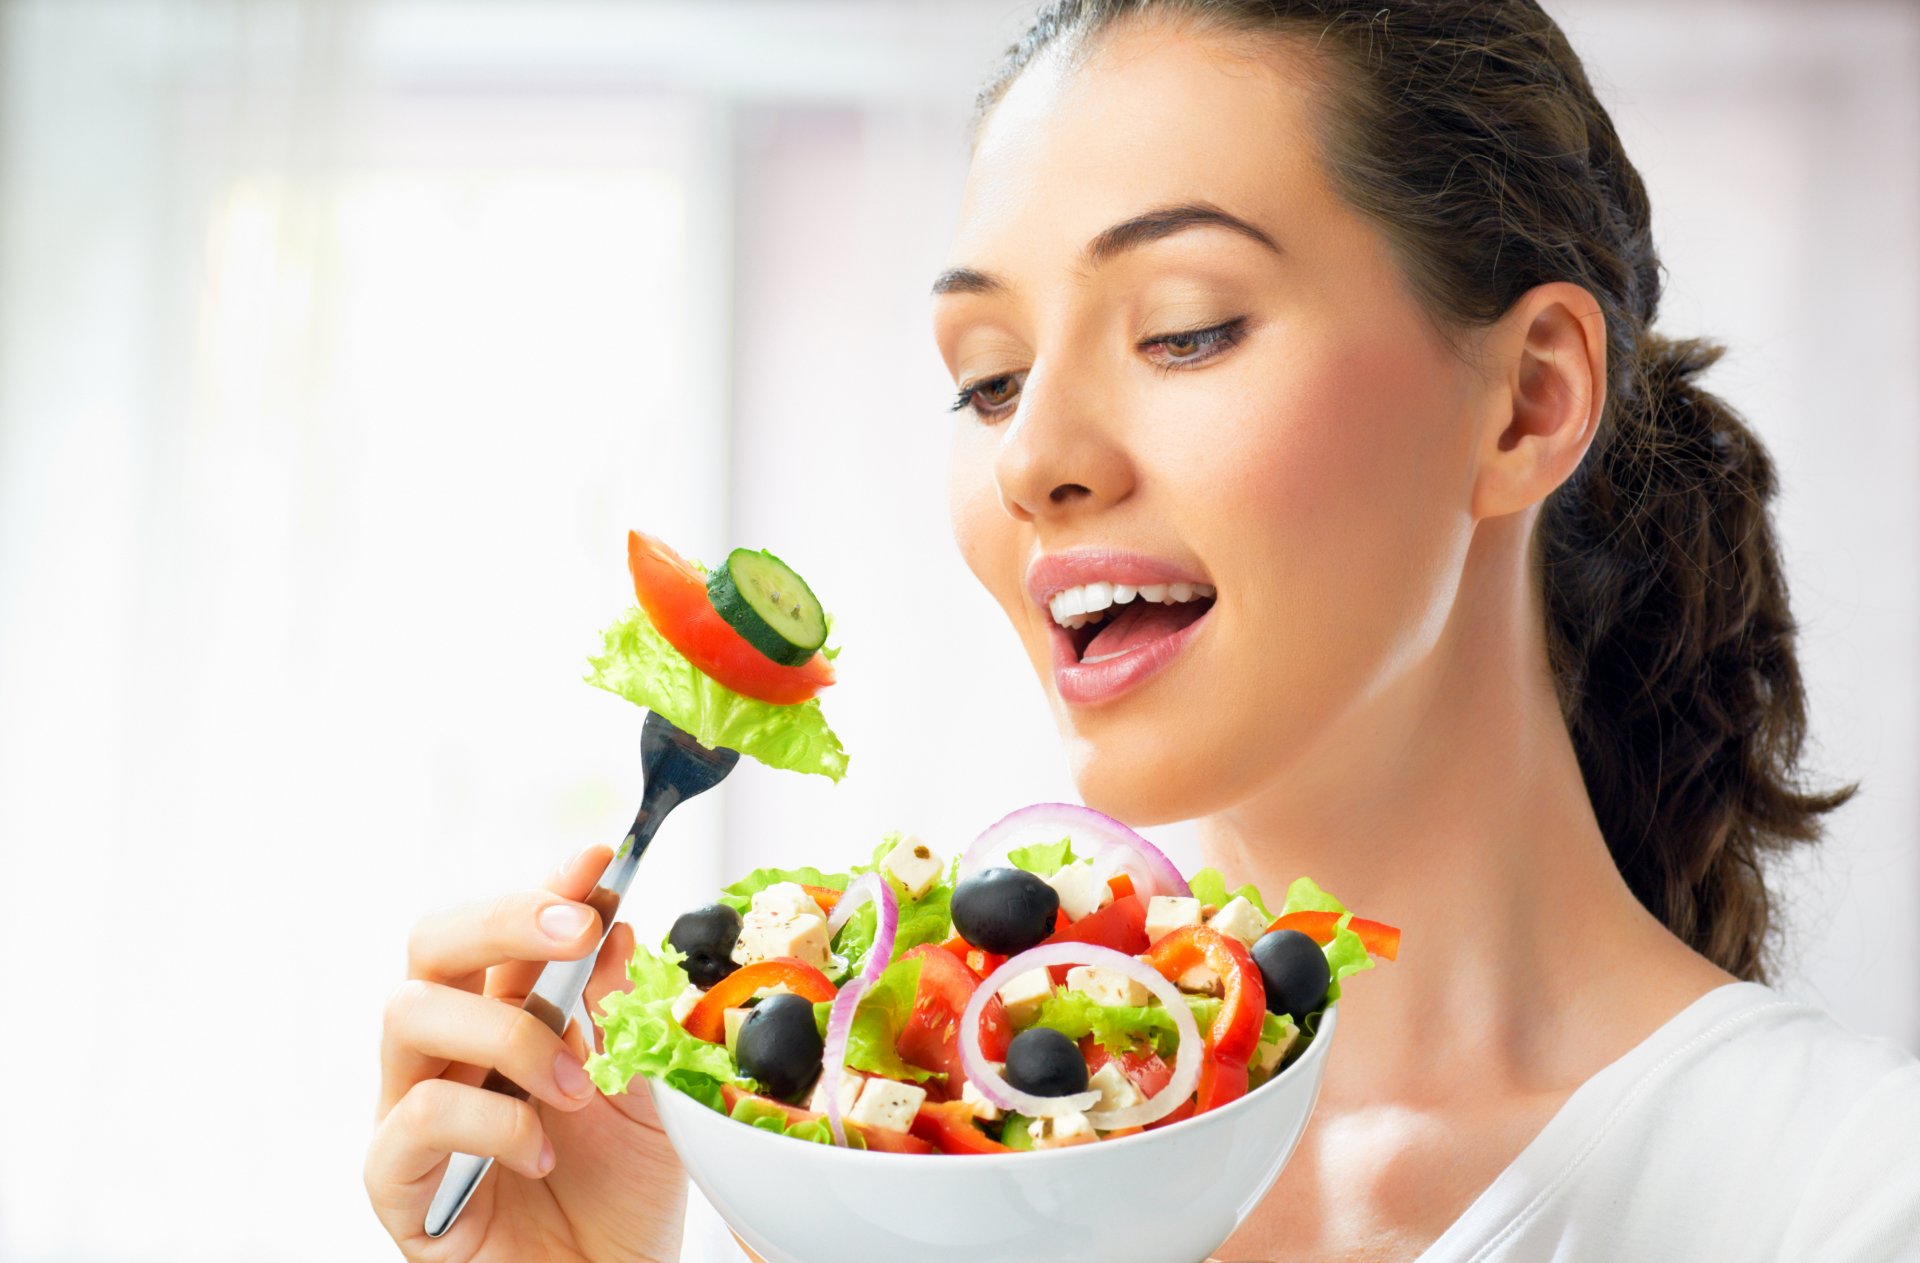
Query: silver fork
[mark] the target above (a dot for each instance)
(676, 767)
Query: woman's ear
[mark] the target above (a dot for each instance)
(1546, 364)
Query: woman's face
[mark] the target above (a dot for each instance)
(1191, 363)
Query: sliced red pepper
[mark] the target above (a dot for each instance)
(825, 896)
(708, 1019)
(877, 1138)
(948, 1126)
(981, 961)
(1121, 884)
(1235, 1032)
(1121, 925)
(1377, 937)
(931, 1037)
(674, 595)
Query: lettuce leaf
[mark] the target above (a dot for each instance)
(774, 1119)
(638, 663)
(1210, 887)
(642, 1037)
(1118, 1028)
(878, 1021)
(1043, 859)
(1346, 954)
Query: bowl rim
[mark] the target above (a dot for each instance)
(1322, 1036)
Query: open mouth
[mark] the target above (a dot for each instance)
(1105, 621)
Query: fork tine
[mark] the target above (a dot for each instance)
(665, 750)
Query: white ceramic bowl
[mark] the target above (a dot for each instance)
(1166, 1196)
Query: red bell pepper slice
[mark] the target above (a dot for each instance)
(674, 595)
(948, 1127)
(877, 1138)
(707, 1020)
(825, 896)
(1121, 884)
(1377, 937)
(1235, 1032)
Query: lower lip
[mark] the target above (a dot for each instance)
(1080, 684)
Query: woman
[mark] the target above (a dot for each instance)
(1346, 313)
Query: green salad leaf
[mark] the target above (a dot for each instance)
(1043, 859)
(1120, 1027)
(774, 1119)
(1346, 954)
(642, 1038)
(877, 1022)
(639, 664)
(1209, 886)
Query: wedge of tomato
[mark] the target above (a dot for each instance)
(948, 1126)
(1235, 1032)
(674, 595)
(1121, 925)
(931, 1037)
(1377, 937)
(877, 1138)
(1142, 1065)
(708, 1019)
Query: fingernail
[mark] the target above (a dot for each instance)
(564, 921)
(544, 1163)
(571, 1076)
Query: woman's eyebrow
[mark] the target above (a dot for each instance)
(1152, 225)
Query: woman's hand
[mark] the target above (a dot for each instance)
(576, 1175)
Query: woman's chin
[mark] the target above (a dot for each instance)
(1144, 775)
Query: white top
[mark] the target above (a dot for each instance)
(1748, 1127)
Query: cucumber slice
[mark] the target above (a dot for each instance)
(765, 601)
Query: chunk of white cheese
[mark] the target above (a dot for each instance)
(850, 1084)
(887, 1105)
(1201, 979)
(1023, 994)
(1167, 913)
(983, 1109)
(684, 1002)
(1106, 986)
(1267, 1056)
(914, 865)
(1116, 1090)
(786, 899)
(1239, 919)
(1081, 890)
(1057, 1133)
(763, 937)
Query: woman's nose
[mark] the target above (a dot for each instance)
(1060, 455)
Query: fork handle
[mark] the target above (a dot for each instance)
(552, 1000)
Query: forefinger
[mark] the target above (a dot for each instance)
(519, 931)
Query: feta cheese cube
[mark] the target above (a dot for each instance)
(1023, 994)
(983, 1109)
(1117, 1091)
(914, 865)
(684, 1002)
(1267, 1057)
(1106, 986)
(851, 1082)
(1058, 1133)
(887, 1105)
(1081, 890)
(786, 899)
(1239, 919)
(1200, 979)
(733, 1019)
(1167, 913)
(763, 937)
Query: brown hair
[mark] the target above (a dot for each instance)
(1467, 130)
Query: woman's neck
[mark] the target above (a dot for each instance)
(1453, 806)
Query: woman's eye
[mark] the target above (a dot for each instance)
(990, 397)
(1195, 345)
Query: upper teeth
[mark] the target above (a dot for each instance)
(1076, 607)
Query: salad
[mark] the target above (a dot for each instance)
(1057, 984)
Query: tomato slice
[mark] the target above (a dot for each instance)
(707, 1020)
(1121, 925)
(931, 1037)
(1141, 1064)
(674, 595)
(1236, 1030)
(878, 1138)
(1377, 937)
(948, 1127)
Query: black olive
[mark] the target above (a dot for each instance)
(707, 936)
(780, 1045)
(1004, 910)
(1045, 1063)
(1295, 971)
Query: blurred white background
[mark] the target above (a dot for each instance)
(340, 343)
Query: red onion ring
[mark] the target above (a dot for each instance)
(1186, 1064)
(840, 1018)
(1094, 835)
